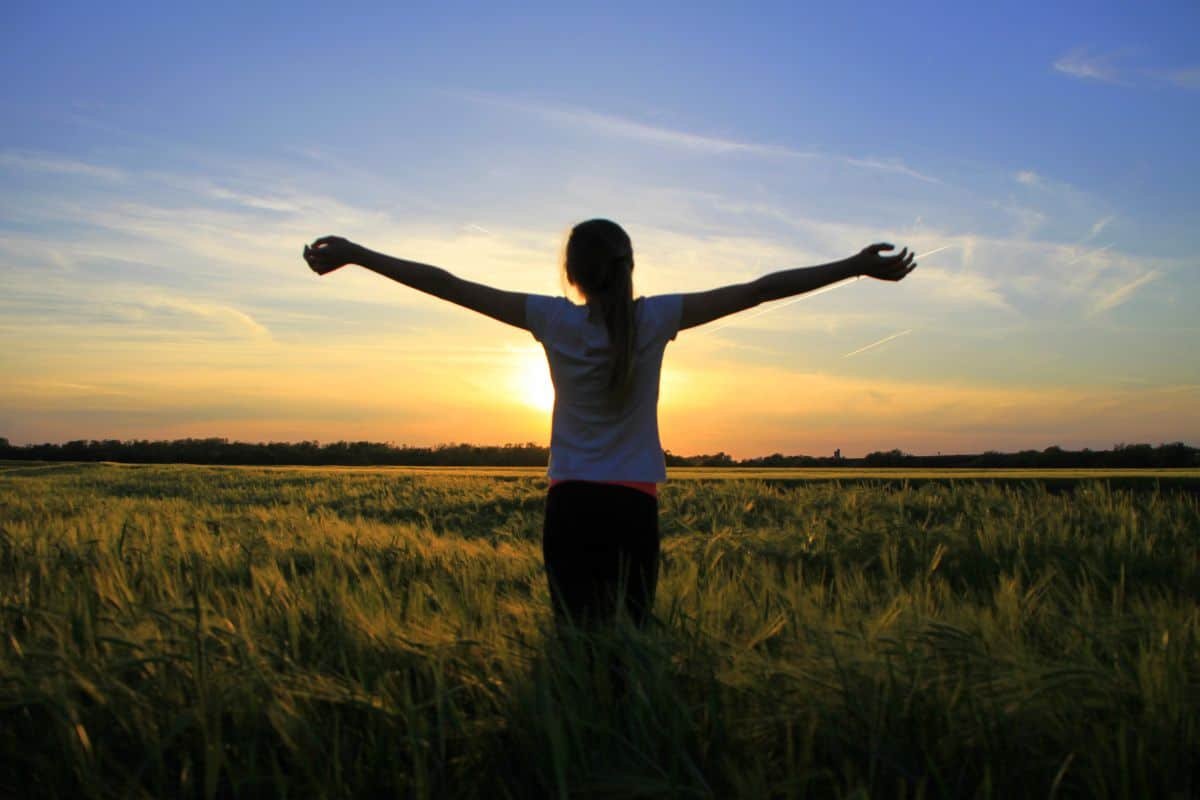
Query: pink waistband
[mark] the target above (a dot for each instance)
(646, 487)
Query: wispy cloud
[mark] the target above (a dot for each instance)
(612, 125)
(1122, 293)
(1081, 253)
(1089, 254)
(1086, 65)
(44, 162)
(1099, 225)
(250, 200)
(619, 126)
(888, 165)
(873, 345)
(228, 318)
(70, 388)
(1027, 219)
(962, 289)
(1185, 78)
(1083, 64)
(1028, 177)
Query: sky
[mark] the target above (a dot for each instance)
(161, 168)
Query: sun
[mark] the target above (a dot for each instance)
(531, 380)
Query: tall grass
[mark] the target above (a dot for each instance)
(208, 632)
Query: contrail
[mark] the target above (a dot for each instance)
(797, 299)
(884, 340)
(937, 250)
(1088, 254)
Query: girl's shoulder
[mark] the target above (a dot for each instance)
(657, 316)
(544, 314)
(660, 315)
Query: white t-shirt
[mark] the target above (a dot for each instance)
(589, 438)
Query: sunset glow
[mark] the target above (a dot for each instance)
(151, 284)
(532, 380)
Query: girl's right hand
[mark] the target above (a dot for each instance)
(886, 268)
(331, 252)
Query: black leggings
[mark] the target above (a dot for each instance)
(600, 542)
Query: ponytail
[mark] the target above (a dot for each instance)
(616, 304)
(599, 262)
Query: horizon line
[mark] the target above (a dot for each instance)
(1116, 446)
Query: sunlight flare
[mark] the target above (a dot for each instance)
(531, 380)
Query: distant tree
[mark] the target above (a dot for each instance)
(1054, 456)
(363, 453)
(1177, 454)
(892, 458)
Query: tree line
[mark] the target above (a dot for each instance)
(312, 453)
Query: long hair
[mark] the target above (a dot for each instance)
(599, 263)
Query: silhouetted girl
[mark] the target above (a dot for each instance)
(600, 537)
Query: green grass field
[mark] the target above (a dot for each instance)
(176, 631)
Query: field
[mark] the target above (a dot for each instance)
(176, 631)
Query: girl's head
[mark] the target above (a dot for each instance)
(599, 263)
(599, 256)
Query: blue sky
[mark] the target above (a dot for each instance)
(161, 169)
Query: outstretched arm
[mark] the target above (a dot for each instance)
(702, 307)
(332, 252)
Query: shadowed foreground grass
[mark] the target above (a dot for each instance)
(211, 632)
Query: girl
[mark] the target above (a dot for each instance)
(600, 537)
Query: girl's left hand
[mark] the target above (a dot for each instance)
(329, 253)
(874, 264)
